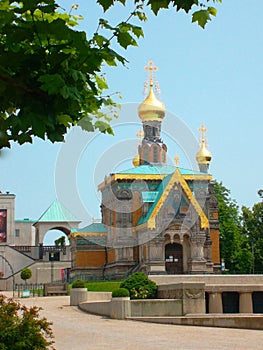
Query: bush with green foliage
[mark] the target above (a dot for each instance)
(78, 284)
(140, 286)
(120, 293)
(21, 328)
(25, 274)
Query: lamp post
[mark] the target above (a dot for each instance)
(253, 256)
(52, 267)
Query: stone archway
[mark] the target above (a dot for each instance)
(55, 217)
(174, 258)
(54, 233)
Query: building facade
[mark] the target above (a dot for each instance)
(156, 218)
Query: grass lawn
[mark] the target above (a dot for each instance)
(103, 286)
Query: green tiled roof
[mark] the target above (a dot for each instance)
(158, 170)
(57, 212)
(92, 240)
(161, 189)
(25, 220)
(149, 196)
(97, 227)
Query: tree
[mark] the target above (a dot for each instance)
(253, 229)
(61, 241)
(51, 74)
(234, 243)
(25, 274)
(22, 329)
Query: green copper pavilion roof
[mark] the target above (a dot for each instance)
(158, 170)
(57, 212)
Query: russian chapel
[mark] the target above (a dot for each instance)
(156, 218)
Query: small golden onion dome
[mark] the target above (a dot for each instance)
(136, 160)
(151, 108)
(203, 156)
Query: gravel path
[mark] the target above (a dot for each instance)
(76, 330)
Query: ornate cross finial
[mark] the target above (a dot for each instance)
(203, 130)
(151, 68)
(140, 134)
(176, 159)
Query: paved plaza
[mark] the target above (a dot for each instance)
(76, 330)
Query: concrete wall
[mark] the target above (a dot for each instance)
(7, 202)
(230, 321)
(41, 273)
(116, 308)
(191, 294)
(208, 279)
(99, 296)
(25, 233)
(122, 308)
(156, 307)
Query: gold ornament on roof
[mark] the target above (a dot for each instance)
(136, 160)
(151, 108)
(203, 156)
(176, 159)
(140, 134)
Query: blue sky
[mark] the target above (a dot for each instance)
(212, 76)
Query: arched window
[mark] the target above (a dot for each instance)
(146, 154)
(163, 156)
(155, 154)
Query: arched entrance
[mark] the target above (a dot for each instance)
(174, 258)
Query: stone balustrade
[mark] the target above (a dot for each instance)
(244, 295)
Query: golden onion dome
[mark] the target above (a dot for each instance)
(151, 108)
(203, 156)
(136, 160)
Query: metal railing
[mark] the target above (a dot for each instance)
(35, 289)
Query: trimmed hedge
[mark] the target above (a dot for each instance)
(120, 293)
(140, 286)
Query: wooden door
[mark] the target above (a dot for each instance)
(174, 258)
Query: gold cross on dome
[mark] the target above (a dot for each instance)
(203, 130)
(151, 68)
(176, 159)
(140, 134)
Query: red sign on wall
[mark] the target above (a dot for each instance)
(3, 224)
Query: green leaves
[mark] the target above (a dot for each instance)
(22, 327)
(51, 74)
(106, 4)
(203, 16)
(51, 83)
(252, 220)
(234, 242)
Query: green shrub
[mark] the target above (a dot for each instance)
(120, 293)
(140, 286)
(78, 284)
(22, 328)
(25, 274)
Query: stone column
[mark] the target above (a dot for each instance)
(215, 303)
(156, 256)
(245, 302)
(198, 263)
